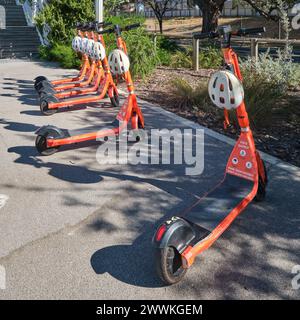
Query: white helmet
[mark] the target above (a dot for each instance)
(225, 90)
(76, 43)
(118, 62)
(84, 42)
(99, 51)
(89, 48)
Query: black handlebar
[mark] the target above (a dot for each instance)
(205, 35)
(118, 29)
(90, 26)
(111, 30)
(130, 27)
(244, 31)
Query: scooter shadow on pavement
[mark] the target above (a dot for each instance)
(70, 173)
(132, 264)
(23, 91)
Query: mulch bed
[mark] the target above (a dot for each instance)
(281, 139)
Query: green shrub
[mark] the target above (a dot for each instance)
(142, 54)
(141, 50)
(166, 44)
(164, 56)
(62, 15)
(262, 98)
(187, 97)
(181, 59)
(143, 57)
(210, 58)
(61, 53)
(280, 71)
(266, 83)
(167, 49)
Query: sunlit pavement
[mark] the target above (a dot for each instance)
(71, 228)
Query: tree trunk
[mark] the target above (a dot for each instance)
(211, 11)
(160, 23)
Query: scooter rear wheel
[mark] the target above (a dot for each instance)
(41, 146)
(38, 80)
(169, 265)
(44, 106)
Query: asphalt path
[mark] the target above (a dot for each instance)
(73, 228)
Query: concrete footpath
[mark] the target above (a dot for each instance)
(71, 228)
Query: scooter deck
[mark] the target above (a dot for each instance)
(213, 208)
(71, 83)
(77, 89)
(80, 97)
(83, 131)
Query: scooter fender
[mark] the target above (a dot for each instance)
(39, 79)
(179, 234)
(42, 84)
(47, 90)
(55, 131)
(47, 83)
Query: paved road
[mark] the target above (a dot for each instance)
(73, 228)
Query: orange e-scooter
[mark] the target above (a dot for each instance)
(42, 81)
(181, 238)
(50, 138)
(96, 52)
(82, 45)
(49, 104)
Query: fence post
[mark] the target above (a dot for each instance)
(254, 49)
(196, 54)
(155, 41)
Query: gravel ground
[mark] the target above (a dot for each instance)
(281, 139)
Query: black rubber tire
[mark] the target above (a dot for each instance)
(43, 94)
(43, 84)
(262, 186)
(38, 80)
(41, 146)
(169, 265)
(46, 92)
(114, 100)
(44, 108)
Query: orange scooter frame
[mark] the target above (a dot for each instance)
(50, 104)
(84, 80)
(180, 239)
(99, 74)
(85, 66)
(50, 138)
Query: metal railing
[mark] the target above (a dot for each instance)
(31, 8)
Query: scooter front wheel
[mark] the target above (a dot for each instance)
(262, 185)
(169, 265)
(41, 146)
(44, 106)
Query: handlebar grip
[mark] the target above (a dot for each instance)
(92, 25)
(205, 35)
(244, 31)
(80, 25)
(103, 24)
(106, 31)
(132, 26)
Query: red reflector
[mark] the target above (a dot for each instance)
(160, 232)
